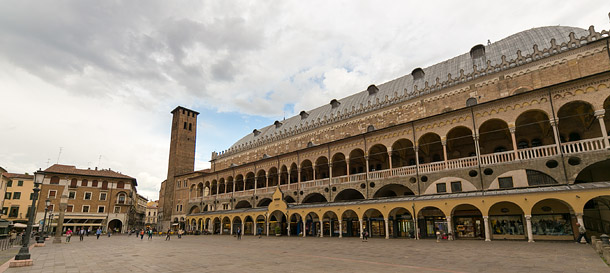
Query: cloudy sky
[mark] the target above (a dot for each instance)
(98, 79)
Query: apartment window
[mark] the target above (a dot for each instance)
(102, 196)
(14, 212)
(73, 183)
(84, 183)
(121, 198)
(85, 208)
(87, 196)
(7, 196)
(100, 209)
(72, 195)
(52, 194)
(104, 185)
(70, 208)
(94, 184)
(17, 195)
(441, 187)
(55, 180)
(456, 186)
(9, 183)
(4, 210)
(120, 185)
(117, 209)
(505, 182)
(27, 212)
(20, 183)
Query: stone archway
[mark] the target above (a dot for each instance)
(115, 225)
(507, 221)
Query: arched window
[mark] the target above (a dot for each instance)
(73, 183)
(55, 180)
(84, 183)
(121, 198)
(104, 185)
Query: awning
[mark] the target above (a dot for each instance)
(174, 224)
(20, 225)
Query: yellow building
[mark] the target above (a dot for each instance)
(17, 197)
(507, 141)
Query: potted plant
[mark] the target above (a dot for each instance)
(278, 231)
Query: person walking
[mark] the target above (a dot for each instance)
(68, 235)
(167, 237)
(260, 232)
(81, 234)
(98, 233)
(88, 231)
(582, 232)
(150, 234)
(238, 233)
(438, 235)
(365, 235)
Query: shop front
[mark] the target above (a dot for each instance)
(507, 227)
(351, 227)
(552, 227)
(469, 227)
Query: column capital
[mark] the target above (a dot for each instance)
(528, 217)
(512, 129)
(330, 165)
(475, 136)
(553, 122)
(444, 142)
(485, 217)
(600, 113)
(579, 214)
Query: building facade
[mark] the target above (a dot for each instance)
(140, 212)
(507, 141)
(152, 209)
(17, 197)
(94, 198)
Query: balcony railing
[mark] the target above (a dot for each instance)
(582, 146)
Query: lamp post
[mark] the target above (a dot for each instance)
(49, 229)
(24, 253)
(44, 221)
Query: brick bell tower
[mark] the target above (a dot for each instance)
(181, 155)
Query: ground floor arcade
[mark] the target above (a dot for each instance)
(542, 213)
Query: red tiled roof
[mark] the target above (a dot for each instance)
(67, 169)
(18, 175)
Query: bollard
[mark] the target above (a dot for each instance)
(605, 239)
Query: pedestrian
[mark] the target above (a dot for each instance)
(238, 233)
(13, 236)
(582, 232)
(438, 235)
(150, 234)
(68, 235)
(98, 232)
(88, 231)
(365, 235)
(167, 237)
(260, 232)
(141, 234)
(81, 234)
(109, 232)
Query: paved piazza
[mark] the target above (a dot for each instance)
(291, 254)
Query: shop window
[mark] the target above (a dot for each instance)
(9, 183)
(103, 196)
(7, 196)
(54, 180)
(100, 209)
(85, 208)
(505, 182)
(70, 208)
(507, 225)
(71, 195)
(52, 194)
(16, 196)
(87, 196)
(552, 224)
(20, 183)
(441, 188)
(456, 186)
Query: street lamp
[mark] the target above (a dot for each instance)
(47, 203)
(24, 253)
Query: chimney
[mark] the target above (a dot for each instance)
(96, 168)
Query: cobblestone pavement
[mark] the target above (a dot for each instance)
(222, 253)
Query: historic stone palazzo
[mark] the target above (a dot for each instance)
(509, 140)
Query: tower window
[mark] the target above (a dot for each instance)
(190, 127)
(185, 125)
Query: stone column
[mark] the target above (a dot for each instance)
(243, 231)
(221, 227)
(528, 224)
(62, 210)
(416, 150)
(512, 130)
(477, 147)
(450, 228)
(553, 123)
(390, 158)
(299, 176)
(444, 143)
(288, 228)
(361, 232)
(266, 180)
(387, 228)
(599, 114)
(340, 228)
(321, 228)
(313, 166)
(330, 173)
(231, 228)
(486, 223)
(347, 165)
(267, 226)
(304, 229)
(366, 159)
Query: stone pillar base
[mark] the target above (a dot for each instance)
(38, 244)
(21, 263)
(57, 240)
